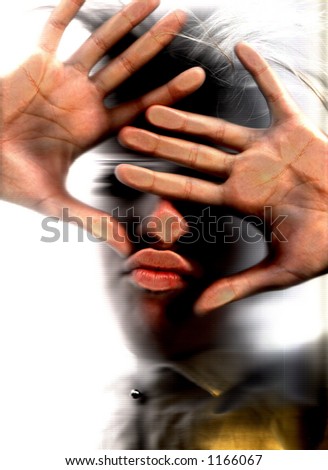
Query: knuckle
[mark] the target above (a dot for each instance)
(57, 23)
(79, 67)
(187, 189)
(260, 71)
(274, 97)
(220, 133)
(220, 193)
(127, 64)
(156, 142)
(139, 105)
(47, 48)
(253, 136)
(153, 180)
(100, 85)
(193, 156)
(172, 92)
(99, 41)
(161, 37)
(185, 123)
(125, 15)
(228, 162)
(79, 3)
(233, 285)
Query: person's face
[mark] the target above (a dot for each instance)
(180, 249)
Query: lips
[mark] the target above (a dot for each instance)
(160, 271)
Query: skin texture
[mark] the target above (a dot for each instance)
(53, 112)
(279, 174)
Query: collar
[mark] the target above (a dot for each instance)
(214, 370)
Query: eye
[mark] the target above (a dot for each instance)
(111, 186)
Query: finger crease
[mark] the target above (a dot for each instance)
(139, 105)
(228, 162)
(129, 20)
(48, 49)
(152, 183)
(274, 98)
(233, 288)
(57, 24)
(158, 35)
(127, 64)
(185, 123)
(100, 86)
(79, 67)
(170, 88)
(99, 42)
(193, 156)
(220, 133)
(79, 3)
(259, 72)
(187, 189)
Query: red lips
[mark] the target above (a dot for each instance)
(160, 271)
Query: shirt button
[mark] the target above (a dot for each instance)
(136, 394)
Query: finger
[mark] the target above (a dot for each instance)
(141, 51)
(57, 22)
(264, 276)
(180, 86)
(100, 225)
(170, 185)
(110, 32)
(279, 101)
(190, 154)
(219, 131)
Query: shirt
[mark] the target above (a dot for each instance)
(209, 402)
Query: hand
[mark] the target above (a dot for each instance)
(52, 112)
(280, 173)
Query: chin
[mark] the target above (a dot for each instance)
(161, 325)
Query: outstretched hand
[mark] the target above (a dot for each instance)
(52, 112)
(283, 168)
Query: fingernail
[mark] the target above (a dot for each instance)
(210, 302)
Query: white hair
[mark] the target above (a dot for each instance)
(283, 31)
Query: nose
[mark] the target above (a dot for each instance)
(164, 226)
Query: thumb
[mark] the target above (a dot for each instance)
(264, 276)
(99, 224)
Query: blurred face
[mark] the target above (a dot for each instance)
(180, 249)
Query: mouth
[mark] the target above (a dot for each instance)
(160, 271)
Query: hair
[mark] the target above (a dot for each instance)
(281, 30)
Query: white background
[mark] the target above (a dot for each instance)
(58, 345)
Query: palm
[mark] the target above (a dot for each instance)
(53, 106)
(50, 110)
(274, 170)
(277, 180)
(53, 111)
